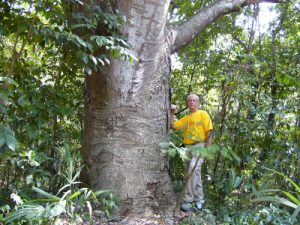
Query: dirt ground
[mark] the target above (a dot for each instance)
(204, 217)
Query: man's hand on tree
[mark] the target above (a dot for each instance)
(173, 109)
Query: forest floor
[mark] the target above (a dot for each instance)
(204, 217)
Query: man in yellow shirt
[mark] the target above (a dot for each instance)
(197, 128)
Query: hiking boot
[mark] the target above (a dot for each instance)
(199, 204)
(186, 207)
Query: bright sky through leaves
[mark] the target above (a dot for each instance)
(266, 15)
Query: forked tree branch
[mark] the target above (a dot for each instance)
(186, 32)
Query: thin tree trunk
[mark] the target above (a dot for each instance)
(274, 89)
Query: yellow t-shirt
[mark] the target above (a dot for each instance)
(194, 126)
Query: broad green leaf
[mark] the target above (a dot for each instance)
(77, 175)
(225, 152)
(265, 191)
(235, 156)
(184, 154)
(101, 192)
(3, 109)
(196, 151)
(93, 59)
(291, 197)
(286, 177)
(172, 152)
(74, 195)
(85, 58)
(276, 200)
(22, 101)
(164, 145)
(88, 70)
(10, 140)
(29, 179)
(45, 194)
(81, 41)
(58, 209)
(237, 181)
(8, 80)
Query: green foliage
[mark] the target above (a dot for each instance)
(290, 200)
(46, 50)
(7, 137)
(67, 30)
(248, 83)
(178, 156)
(72, 201)
(204, 217)
(257, 215)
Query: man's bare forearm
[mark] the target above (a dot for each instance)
(172, 119)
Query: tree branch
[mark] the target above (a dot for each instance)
(186, 32)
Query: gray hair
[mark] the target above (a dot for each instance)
(197, 97)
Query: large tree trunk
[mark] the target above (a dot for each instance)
(126, 114)
(126, 105)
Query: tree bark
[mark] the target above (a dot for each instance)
(186, 32)
(127, 106)
(126, 114)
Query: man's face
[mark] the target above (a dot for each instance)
(193, 103)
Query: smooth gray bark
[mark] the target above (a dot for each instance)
(126, 114)
(127, 106)
(186, 32)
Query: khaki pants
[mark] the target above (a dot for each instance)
(194, 191)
